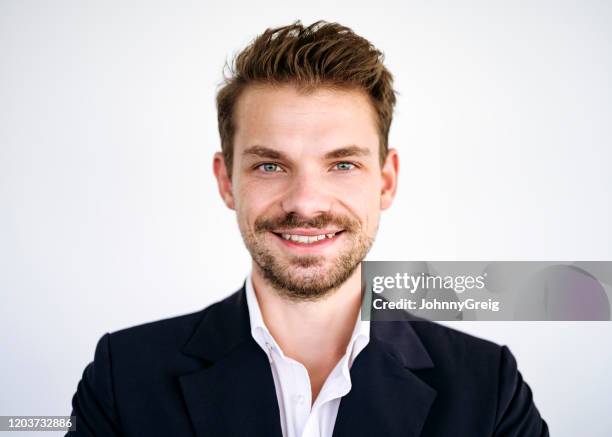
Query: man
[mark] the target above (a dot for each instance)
(304, 119)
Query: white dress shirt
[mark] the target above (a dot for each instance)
(292, 383)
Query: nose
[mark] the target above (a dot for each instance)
(307, 196)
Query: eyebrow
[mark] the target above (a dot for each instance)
(342, 152)
(264, 152)
(351, 150)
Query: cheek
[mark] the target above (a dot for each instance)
(365, 206)
(263, 196)
(361, 194)
(253, 200)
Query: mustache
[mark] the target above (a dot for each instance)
(292, 220)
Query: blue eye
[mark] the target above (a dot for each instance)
(345, 166)
(269, 167)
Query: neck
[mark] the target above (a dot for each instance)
(314, 333)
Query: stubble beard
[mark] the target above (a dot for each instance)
(307, 277)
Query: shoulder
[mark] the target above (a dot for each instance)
(166, 329)
(446, 343)
(463, 360)
(162, 339)
(468, 370)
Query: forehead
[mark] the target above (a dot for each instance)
(285, 118)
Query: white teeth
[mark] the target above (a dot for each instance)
(306, 238)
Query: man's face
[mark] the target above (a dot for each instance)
(307, 184)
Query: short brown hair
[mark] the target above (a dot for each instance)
(322, 54)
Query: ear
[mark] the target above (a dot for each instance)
(224, 183)
(390, 171)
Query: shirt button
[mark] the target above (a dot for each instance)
(269, 346)
(298, 399)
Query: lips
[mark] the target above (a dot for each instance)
(309, 237)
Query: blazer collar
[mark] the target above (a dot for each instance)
(234, 392)
(223, 327)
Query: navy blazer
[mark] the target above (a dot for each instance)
(202, 374)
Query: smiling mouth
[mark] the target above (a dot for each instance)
(307, 239)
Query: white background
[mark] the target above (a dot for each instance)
(110, 215)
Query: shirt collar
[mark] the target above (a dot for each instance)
(253, 305)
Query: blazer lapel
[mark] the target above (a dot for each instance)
(234, 394)
(387, 397)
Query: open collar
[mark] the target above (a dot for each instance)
(234, 391)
